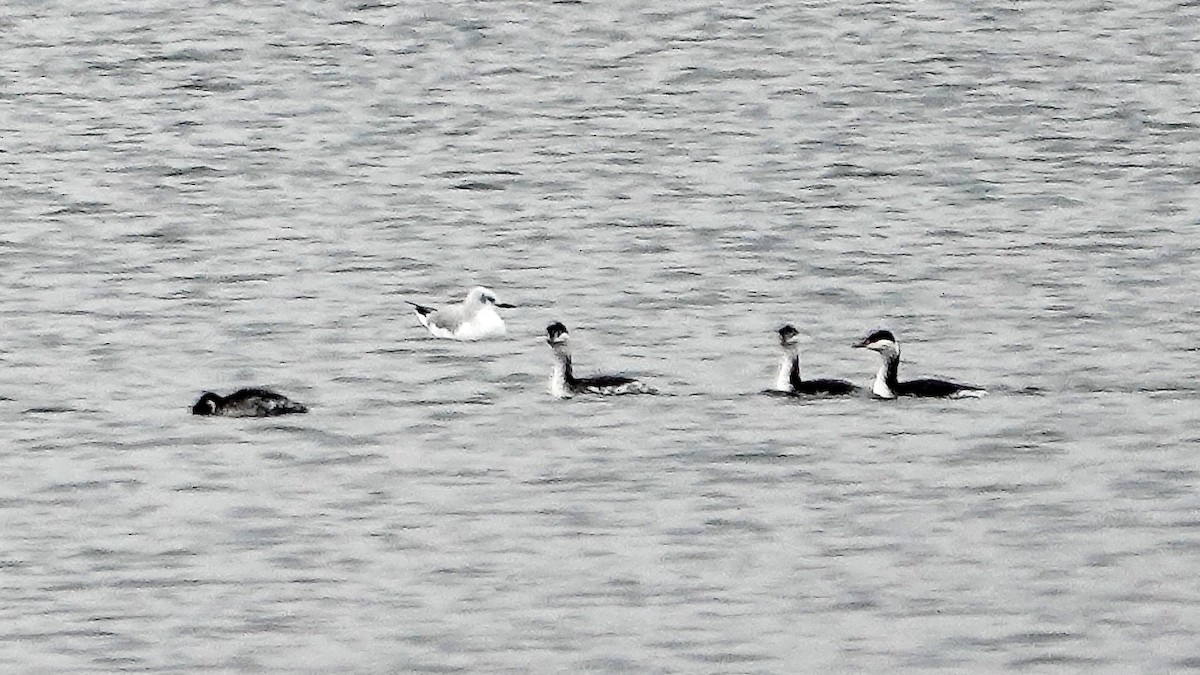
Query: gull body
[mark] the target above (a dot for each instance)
(475, 318)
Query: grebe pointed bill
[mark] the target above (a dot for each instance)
(564, 384)
(887, 382)
(475, 318)
(788, 380)
(247, 403)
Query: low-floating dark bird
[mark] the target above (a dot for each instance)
(247, 403)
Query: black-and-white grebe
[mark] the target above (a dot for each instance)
(247, 403)
(887, 383)
(788, 379)
(564, 384)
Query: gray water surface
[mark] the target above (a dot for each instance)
(207, 195)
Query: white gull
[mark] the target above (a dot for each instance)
(475, 318)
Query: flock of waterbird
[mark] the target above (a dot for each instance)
(476, 318)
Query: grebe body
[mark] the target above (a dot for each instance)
(788, 380)
(564, 384)
(887, 382)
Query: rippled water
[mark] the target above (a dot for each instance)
(207, 195)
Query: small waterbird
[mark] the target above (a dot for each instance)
(564, 384)
(788, 380)
(247, 403)
(475, 318)
(887, 383)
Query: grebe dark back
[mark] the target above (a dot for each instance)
(887, 383)
(788, 380)
(247, 403)
(564, 384)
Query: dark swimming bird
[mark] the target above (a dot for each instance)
(247, 403)
(788, 380)
(475, 318)
(887, 383)
(564, 384)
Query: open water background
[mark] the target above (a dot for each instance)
(207, 195)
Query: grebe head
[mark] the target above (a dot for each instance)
(207, 405)
(556, 334)
(788, 336)
(881, 341)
